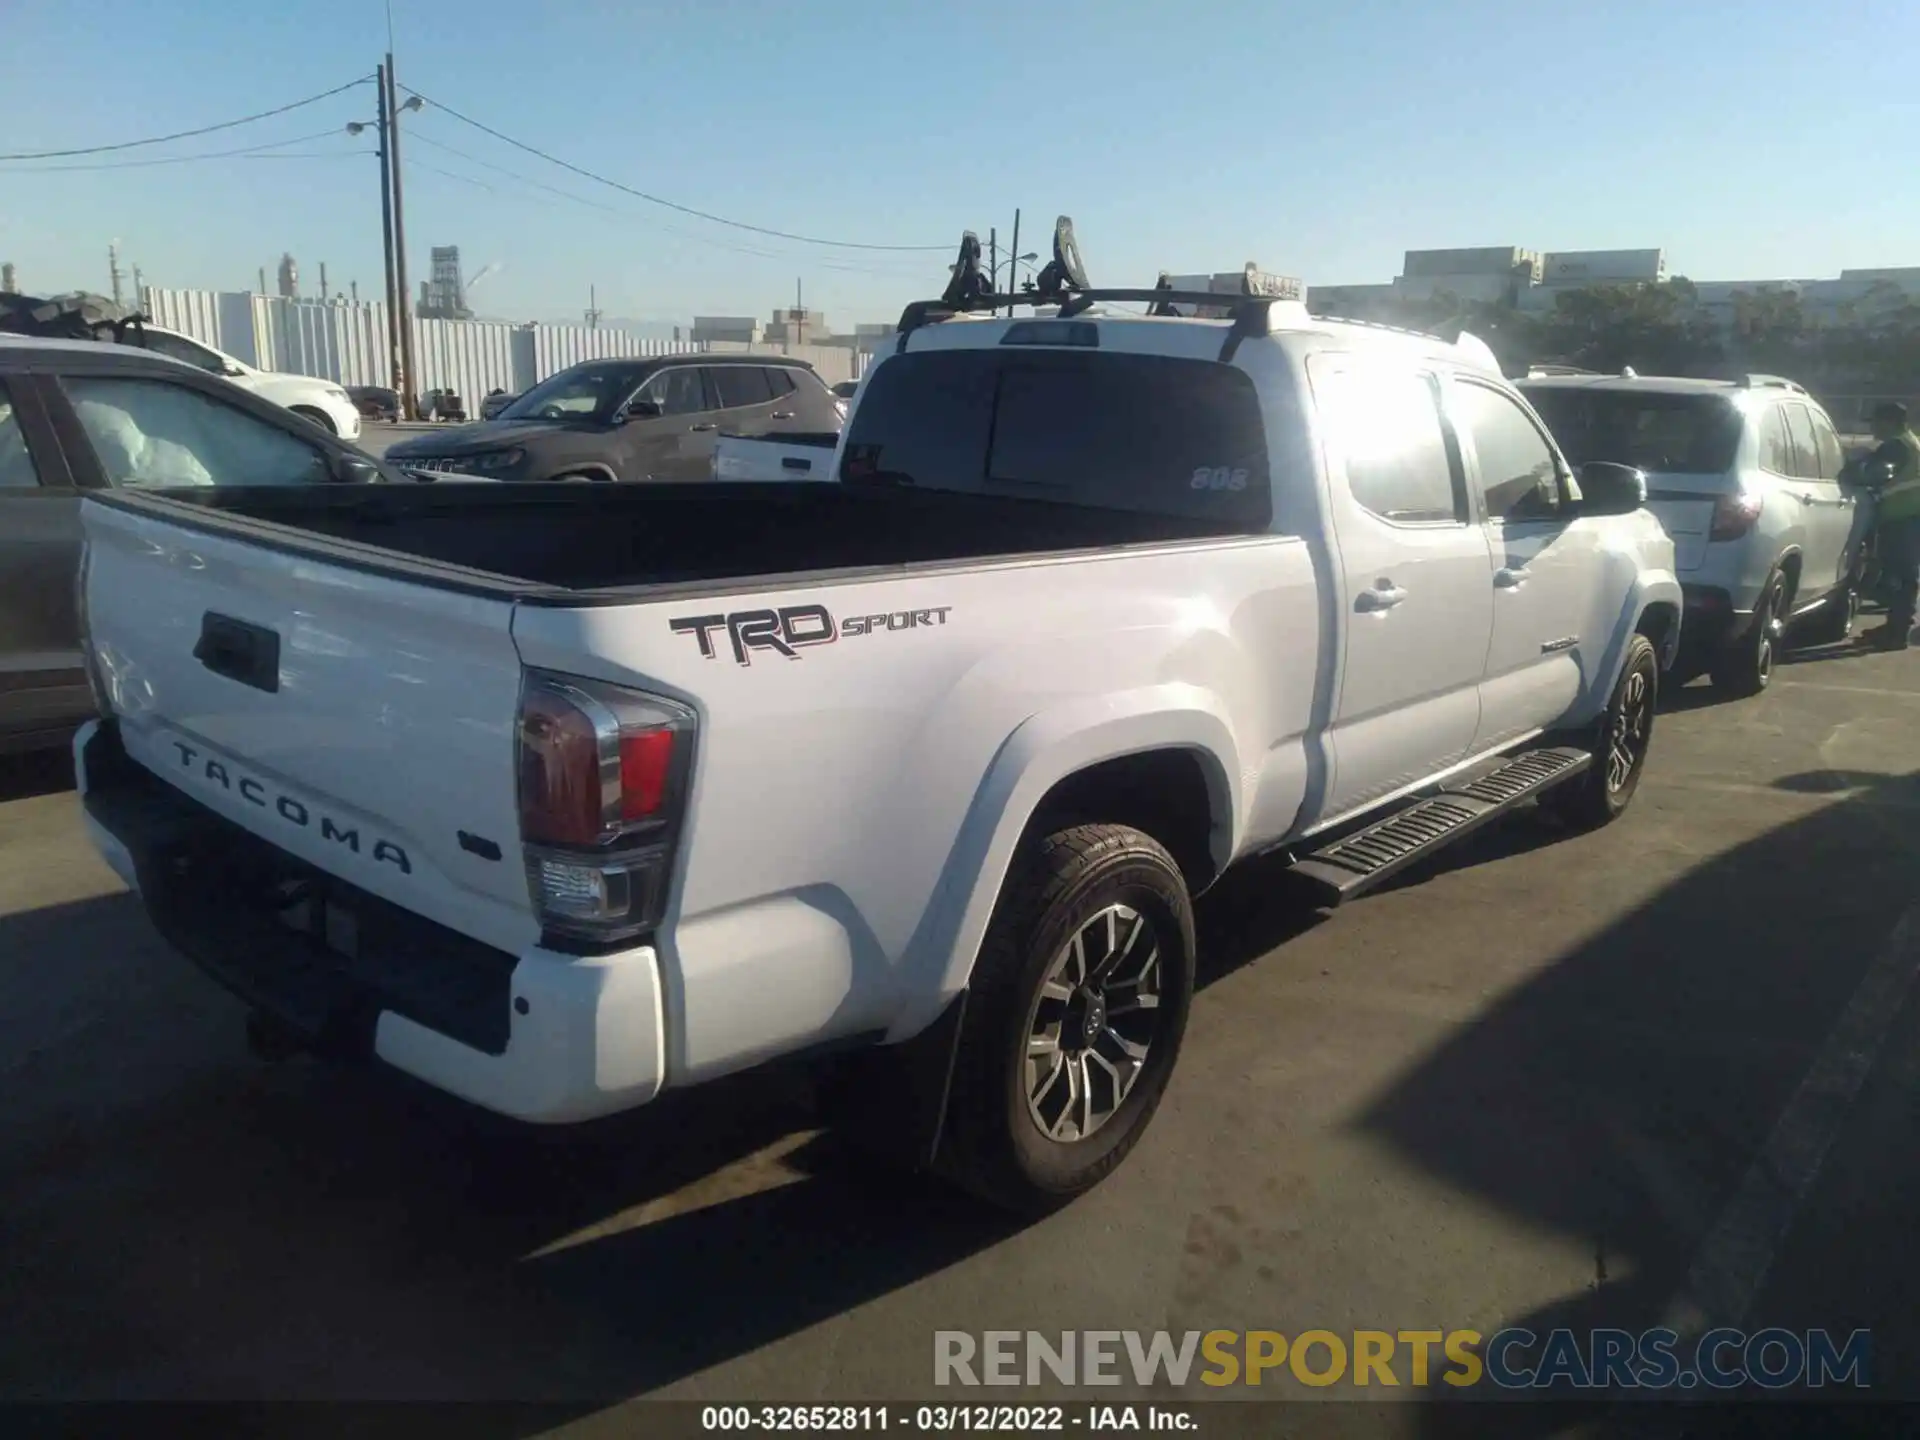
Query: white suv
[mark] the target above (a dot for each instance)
(321, 401)
(1745, 476)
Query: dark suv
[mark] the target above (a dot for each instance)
(653, 419)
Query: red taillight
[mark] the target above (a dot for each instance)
(561, 796)
(646, 759)
(1734, 516)
(603, 771)
(596, 760)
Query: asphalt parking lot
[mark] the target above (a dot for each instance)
(1543, 1081)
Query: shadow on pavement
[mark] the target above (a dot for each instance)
(36, 772)
(1619, 1097)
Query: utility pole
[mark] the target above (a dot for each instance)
(139, 288)
(1013, 280)
(113, 270)
(993, 264)
(395, 378)
(593, 308)
(408, 376)
(323, 281)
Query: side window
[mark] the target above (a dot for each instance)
(1806, 457)
(151, 433)
(16, 465)
(1386, 426)
(779, 382)
(1776, 451)
(1519, 476)
(741, 385)
(678, 391)
(180, 348)
(1827, 445)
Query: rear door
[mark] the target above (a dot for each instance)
(1414, 594)
(747, 404)
(42, 682)
(676, 444)
(1545, 567)
(1828, 513)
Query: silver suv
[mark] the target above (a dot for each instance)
(1745, 475)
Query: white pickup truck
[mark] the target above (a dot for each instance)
(558, 796)
(772, 458)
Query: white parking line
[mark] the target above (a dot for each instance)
(1733, 1260)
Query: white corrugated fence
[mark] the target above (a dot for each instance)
(346, 342)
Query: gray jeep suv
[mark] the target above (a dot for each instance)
(652, 419)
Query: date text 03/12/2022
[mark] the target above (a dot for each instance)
(947, 1419)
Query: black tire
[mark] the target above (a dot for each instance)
(1062, 886)
(1602, 793)
(1832, 623)
(592, 477)
(1746, 666)
(316, 417)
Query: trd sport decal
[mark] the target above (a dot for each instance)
(790, 629)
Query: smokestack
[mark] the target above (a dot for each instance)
(7, 279)
(263, 279)
(323, 282)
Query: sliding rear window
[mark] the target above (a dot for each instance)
(1145, 433)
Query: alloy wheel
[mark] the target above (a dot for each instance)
(1093, 1024)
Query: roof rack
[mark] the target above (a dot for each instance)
(1063, 283)
(1771, 382)
(1542, 372)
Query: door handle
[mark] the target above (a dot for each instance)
(1510, 577)
(1383, 596)
(781, 415)
(703, 427)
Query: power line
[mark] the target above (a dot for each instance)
(250, 151)
(655, 199)
(416, 134)
(188, 134)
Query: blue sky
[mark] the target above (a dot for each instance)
(1319, 140)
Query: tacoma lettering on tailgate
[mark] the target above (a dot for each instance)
(792, 628)
(294, 812)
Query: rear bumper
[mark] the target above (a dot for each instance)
(540, 1036)
(1710, 621)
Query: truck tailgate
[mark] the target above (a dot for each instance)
(362, 723)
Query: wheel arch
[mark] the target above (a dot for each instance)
(1163, 760)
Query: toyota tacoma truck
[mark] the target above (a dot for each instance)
(557, 797)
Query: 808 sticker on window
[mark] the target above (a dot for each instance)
(1219, 477)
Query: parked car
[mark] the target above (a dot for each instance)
(494, 403)
(1745, 476)
(846, 388)
(443, 405)
(320, 401)
(653, 419)
(80, 417)
(770, 458)
(922, 768)
(375, 402)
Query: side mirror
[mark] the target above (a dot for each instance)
(350, 469)
(642, 410)
(1610, 488)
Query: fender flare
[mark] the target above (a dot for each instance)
(1650, 588)
(1043, 750)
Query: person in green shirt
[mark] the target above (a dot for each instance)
(1897, 523)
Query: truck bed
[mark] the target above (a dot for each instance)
(600, 537)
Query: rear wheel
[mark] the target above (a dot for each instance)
(1074, 1017)
(1746, 666)
(318, 417)
(1620, 742)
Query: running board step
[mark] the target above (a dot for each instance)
(1383, 849)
